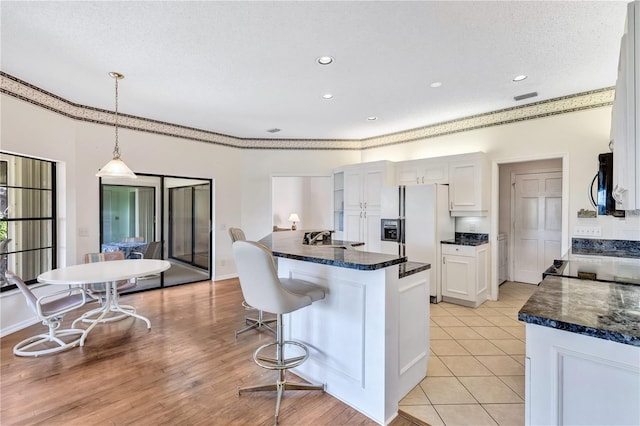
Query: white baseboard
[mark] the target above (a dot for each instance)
(225, 277)
(19, 326)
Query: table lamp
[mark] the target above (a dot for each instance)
(293, 217)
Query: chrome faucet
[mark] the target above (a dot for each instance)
(314, 237)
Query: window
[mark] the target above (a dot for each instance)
(27, 217)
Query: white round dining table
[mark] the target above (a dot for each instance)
(109, 273)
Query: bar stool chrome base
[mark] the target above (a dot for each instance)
(255, 323)
(281, 364)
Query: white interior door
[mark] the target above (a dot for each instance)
(537, 224)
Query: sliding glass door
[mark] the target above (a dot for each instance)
(161, 217)
(189, 216)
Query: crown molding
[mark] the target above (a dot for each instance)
(14, 87)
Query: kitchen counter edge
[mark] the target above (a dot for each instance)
(603, 310)
(289, 245)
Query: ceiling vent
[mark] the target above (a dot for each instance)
(526, 96)
(274, 130)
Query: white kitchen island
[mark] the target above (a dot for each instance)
(369, 337)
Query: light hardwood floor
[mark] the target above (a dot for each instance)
(185, 370)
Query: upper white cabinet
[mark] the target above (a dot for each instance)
(362, 188)
(625, 123)
(469, 185)
(424, 171)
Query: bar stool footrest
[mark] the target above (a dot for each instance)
(271, 363)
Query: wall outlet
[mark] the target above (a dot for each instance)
(588, 231)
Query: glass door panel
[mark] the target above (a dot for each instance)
(189, 229)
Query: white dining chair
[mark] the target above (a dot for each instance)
(50, 309)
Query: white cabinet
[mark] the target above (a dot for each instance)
(424, 171)
(625, 126)
(338, 205)
(362, 186)
(469, 185)
(572, 379)
(465, 274)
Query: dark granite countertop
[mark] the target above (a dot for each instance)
(604, 310)
(410, 268)
(468, 239)
(289, 245)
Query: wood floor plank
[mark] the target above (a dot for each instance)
(186, 370)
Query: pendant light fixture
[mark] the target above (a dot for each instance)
(116, 167)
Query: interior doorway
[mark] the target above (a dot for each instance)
(537, 223)
(310, 197)
(526, 210)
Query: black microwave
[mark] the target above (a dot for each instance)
(605, 204)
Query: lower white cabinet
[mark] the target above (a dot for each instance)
(573, 379)
(465, 274)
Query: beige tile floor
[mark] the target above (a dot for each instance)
(475, 374)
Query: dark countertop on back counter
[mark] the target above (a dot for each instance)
(604, 310)
(289, 245)
(468, 239)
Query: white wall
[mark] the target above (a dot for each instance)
(581, 135)
(242, 178)
(82, 148)
(308, 196)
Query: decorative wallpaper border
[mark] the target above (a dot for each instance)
(13, 86)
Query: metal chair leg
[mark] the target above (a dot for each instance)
(257, 323)
(282, 364)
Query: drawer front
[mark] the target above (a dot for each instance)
(458, 250)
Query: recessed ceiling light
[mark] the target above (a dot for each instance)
(519, 77)
(325, 60)
(436, 84)
(327, 96)
(372, 118)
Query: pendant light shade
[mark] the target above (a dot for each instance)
(116, 168)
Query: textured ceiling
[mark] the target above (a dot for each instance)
(242, 68)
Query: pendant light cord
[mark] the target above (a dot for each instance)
(116, 149)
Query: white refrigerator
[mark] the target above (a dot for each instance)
(422, 212)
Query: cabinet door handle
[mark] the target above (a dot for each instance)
(361, 205)
(422, 179)
(444, 260)
(450, 205)
(418, 179)
(360, 215)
